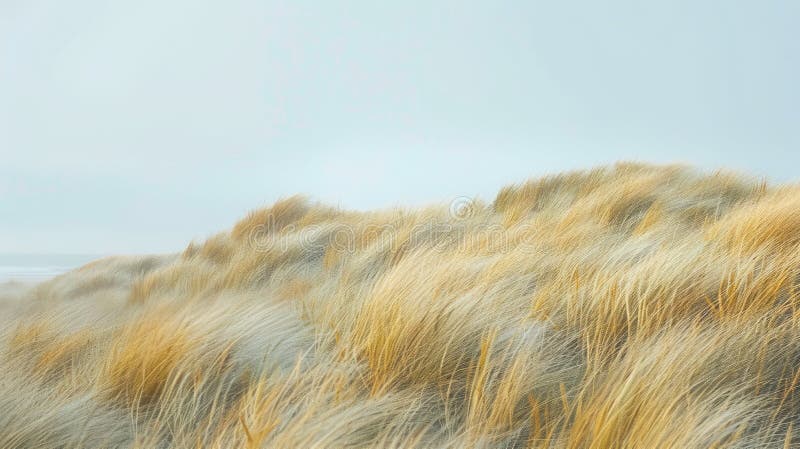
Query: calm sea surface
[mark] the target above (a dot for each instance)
(39, 267)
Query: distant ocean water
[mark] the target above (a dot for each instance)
(39, 267)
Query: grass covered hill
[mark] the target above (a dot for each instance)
(628, 306)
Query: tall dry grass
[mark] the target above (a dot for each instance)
(624, 307)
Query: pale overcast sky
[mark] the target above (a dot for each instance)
(137, 126)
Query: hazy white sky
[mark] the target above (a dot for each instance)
(137, 126)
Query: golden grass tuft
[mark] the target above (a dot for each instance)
(146, 354)
(272, 219)
(771, 223)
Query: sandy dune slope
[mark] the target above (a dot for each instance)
(628, 306)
